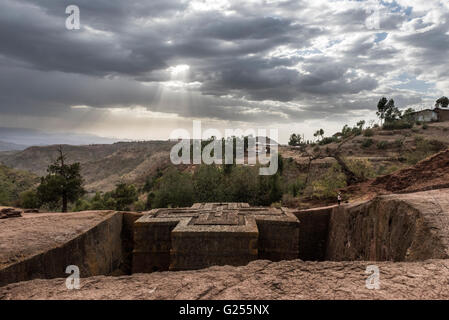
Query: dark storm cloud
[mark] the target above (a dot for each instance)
(320, 58)
(28, 34)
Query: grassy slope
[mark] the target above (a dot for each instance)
(379, 157)
(13, 182)
(102, 165)
(376, 161)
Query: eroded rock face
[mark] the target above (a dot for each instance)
(313, 234)
(43, 246)
(260, 279)
(406, 227)
(10, 213)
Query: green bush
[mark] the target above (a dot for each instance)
(29, 200)
(397, 125)
(384, 169)
(327, 140)
(424, 148)
(366, 143)
(208, 183)
(139, 205)
(175, 190)
(124, 195)
(398, 143)
(12, 183)
(362, 168)
(81, 205)
(356, 131)
(121, 199)
(289, 201)
(297, 187)
(326, 187)
(368, 132)
(382, 145)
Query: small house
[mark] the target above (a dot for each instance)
(431, 115)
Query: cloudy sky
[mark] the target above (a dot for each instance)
(140, 69)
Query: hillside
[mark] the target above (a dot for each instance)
(430, 173)
(372, 155)
(13, 182)
(385, 150)
(103, 165)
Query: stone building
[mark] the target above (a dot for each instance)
(209, 234)
(431, 115)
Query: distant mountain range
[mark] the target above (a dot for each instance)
(102, 165)
(20, 138)
(8, 146)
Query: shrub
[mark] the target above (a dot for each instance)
(297, 187)
(383, 169)
(398, 143)
(139, 205)
(207, 183)
(326, 187)
(367, 143)
(81, 205)
(13, 183)
(397, 125)
(423, 149)
(382, 145)
(124, 195)
(175, 190)
(356, 131)
(362, 168)
(327, 140)
(29, 200)
(289, 201)
(425, 126)
(120, 199)
(368, 132)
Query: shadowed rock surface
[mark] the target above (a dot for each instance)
(260, 279)
(406, 227)
(399, 227)
(43, 245)
(209, 234)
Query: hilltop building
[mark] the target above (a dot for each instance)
(431, 115)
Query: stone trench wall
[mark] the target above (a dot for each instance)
(396, 227)
(407, 227)
(388, 228)
(313, 233)
(102, 250)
